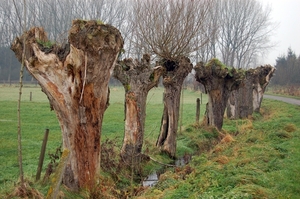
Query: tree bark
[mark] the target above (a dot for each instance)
(263, 77)
(176, 72)
(75, 79)
(240, 103)
(218, 80)
(137, 78)
(247, 98)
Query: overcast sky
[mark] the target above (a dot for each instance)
(287, 14)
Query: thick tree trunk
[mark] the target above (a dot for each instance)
(137, 78)
(218, 81)
(75, 79)
(260, 83)
(172, 81)
(240, 103)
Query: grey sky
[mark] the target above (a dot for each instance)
(287, 14)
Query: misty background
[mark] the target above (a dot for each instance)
(277, 41)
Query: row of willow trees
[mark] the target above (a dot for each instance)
(236, 31)
(75, 73)
(75, 79)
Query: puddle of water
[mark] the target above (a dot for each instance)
(153, 178)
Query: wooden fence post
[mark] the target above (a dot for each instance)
(42, 155)
(30, 98)
(198, 110)
(201, 97)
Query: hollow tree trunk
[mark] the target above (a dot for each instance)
(75, 79)
(137, 78)
(218, 81)
(260, 83)
(176, 72)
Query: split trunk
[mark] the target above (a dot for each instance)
(137, 77)
(173, 78)
(75, 79)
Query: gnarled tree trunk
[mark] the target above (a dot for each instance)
(240, 102)
(137, 78)
(75, 79)
(176, 72)
(246, 99)
(260, 83)
(218, 81)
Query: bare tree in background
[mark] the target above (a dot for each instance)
(245, 29)
(172, 30)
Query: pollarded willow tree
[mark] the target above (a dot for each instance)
(219, 81)
(172, 30)
(260, 83)
(137, 77)
(75, 79)
(247, 99)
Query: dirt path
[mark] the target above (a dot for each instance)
(284, 99)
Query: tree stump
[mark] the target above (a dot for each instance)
(75, 79)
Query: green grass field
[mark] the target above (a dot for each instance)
(254, 158)
(36, 117)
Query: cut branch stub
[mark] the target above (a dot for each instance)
(75, 79)
(218, 80)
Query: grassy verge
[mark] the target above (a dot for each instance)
(254, 158)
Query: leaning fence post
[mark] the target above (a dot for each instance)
(197, 110)
(42, 155)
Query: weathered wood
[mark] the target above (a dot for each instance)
(42, 155)
(137, 77)
(218, 80)
(247, 99)
(264, 75)
(197, 110)
(176, 72)
(75, 79)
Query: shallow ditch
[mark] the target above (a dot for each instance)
(153, 178)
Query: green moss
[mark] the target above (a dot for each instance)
(100, 22)
(46, 44)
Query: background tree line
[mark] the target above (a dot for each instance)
(235, 31)
(287, 69)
